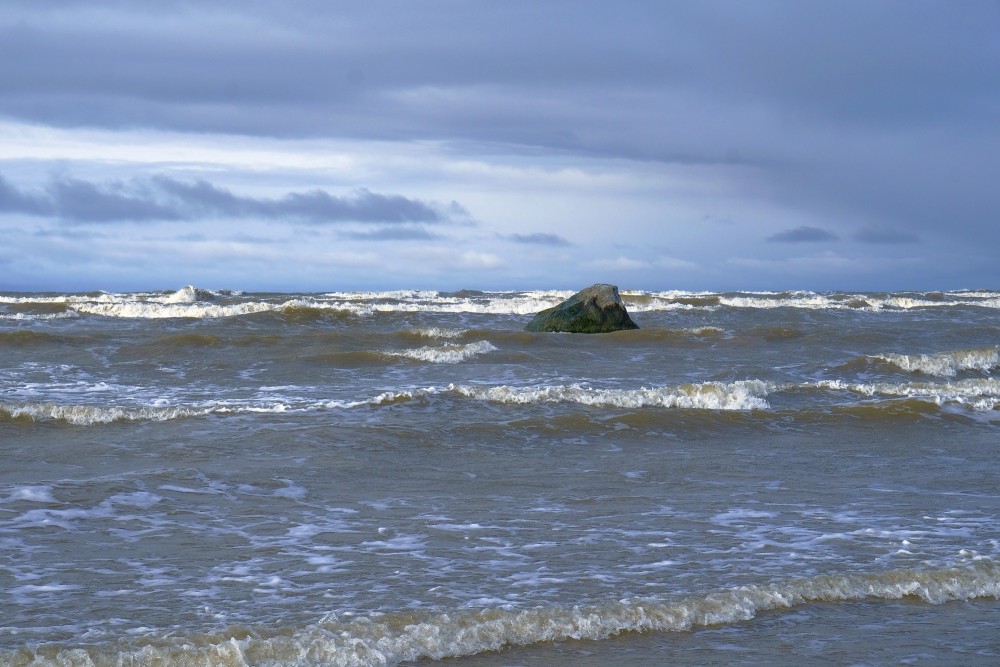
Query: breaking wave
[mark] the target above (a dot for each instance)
(446, 354)
(977, 395)
(980, 395)
(195, 302)
(85, 415)
(391, 639)
(945, 364)
(438, 333)
(198, 309)
(28, 338)
(739, 395)
(28, 317)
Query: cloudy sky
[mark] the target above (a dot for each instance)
(447, 144)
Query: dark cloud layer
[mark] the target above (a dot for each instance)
(165, 198)
(882, 111)
(803, 234)
(318, 68)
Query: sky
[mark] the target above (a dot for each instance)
(322, 145)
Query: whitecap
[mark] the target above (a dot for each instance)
(446, 354)
(32, 494)
(739, 395)
(945, 364)
(187, 294)
(440, 332)
(391, 639)
(27, 317)
(980, 395)
(84, 415)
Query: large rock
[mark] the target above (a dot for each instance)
(597, 309)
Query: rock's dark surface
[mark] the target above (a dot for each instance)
(597, 309)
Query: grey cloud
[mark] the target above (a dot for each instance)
(538, 239)
(803, 234)
(314, 205)
(881, 235)
(15, 201)
(64, 233)
(82, 201)
(406, 233)
(261, 69)
(850, 110)
(165, 198)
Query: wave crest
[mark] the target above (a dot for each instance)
(392, 639)
(981, 395)
(446, 354)
(85, 415)
(739, 395)
(945, 364)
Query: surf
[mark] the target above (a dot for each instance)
(390, 639)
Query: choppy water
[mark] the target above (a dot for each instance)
(200, 477)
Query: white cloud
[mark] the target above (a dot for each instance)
(479, 260)
(619, 264)
(439, 259)
(666, 262)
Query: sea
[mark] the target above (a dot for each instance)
(218, 477)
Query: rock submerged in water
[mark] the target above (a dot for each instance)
(597, 309)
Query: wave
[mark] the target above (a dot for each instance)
(394, 638)
(28, 317)
(185, 340)
(944, 364)
(676, 336)
(645, 301)
(446, 354)
(86, 415)
(187, 302)
(89, 415)
(195, 302)
(778, 334)
(29, 338)
(739, 395)
(438, 333)
(181, 309)
(190, 294)
(980, 395)
(977, 395)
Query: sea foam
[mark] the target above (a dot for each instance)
(195, 302)
(980, 395)
(945, 364)
(739, 395)
(391, 639)
(84, 415)
(446, 354)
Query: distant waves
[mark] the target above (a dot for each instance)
(193, 302)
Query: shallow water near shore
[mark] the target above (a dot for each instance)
(213, 477)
